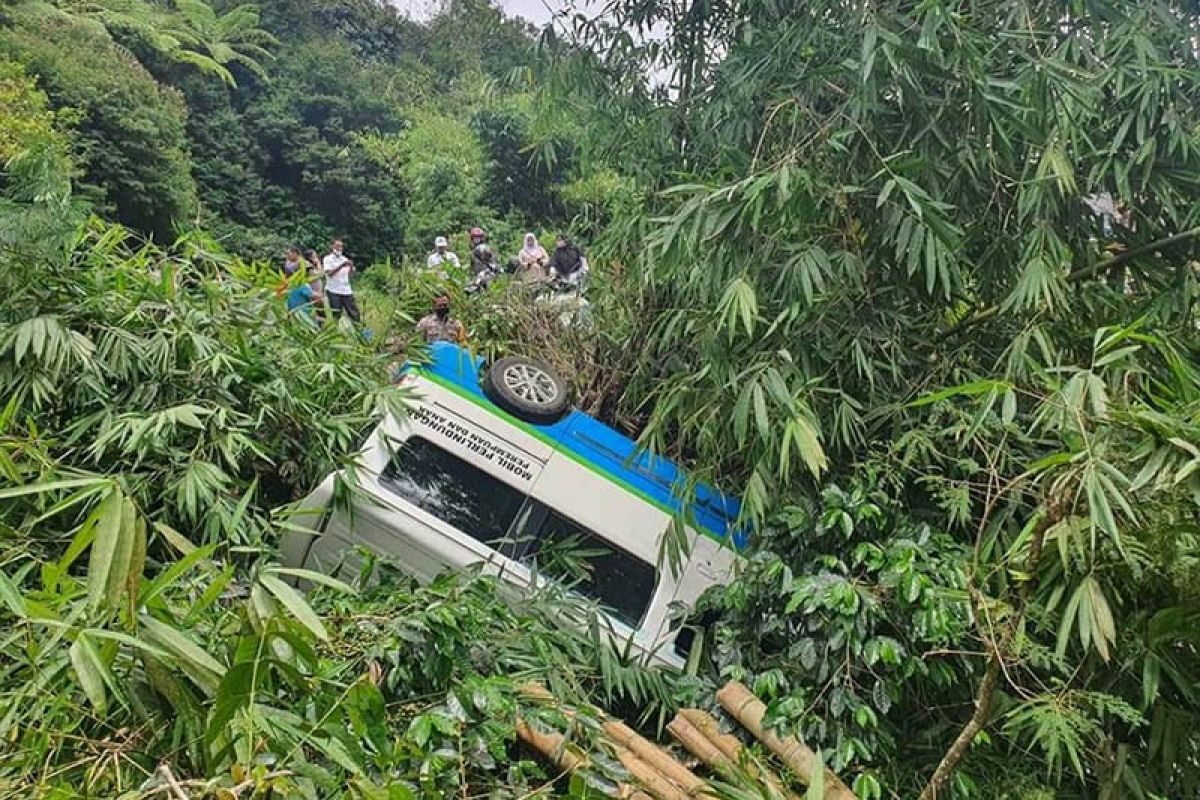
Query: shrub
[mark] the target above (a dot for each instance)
(130, 138)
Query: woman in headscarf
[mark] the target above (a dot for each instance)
(533, 260)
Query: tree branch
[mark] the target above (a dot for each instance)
(1101, 267)
(983, 708)
(985, 697)
(1083, 273)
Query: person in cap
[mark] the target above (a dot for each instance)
(441, 256)
(440, 326)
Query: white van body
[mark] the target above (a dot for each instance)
(461, 482)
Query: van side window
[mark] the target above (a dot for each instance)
(452, 490)
(590, 565)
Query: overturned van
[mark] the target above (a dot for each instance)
(491, 466)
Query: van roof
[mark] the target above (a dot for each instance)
(590, 442)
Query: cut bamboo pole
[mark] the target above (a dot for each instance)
(698, 744)
(749, 711)
(730, 748)
(704, 722)
(654, 781)
(551, 745)
(624, 736)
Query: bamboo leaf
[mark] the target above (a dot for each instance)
(105, 546)
(1070, 613)
(90, 671)
(168, 576)
(972, 389)
(202, 668)
(11, 597)
(52, 486)
(816, 788)
(122, 558)
(297, 605)
(315, 577)
(234, 693)
(1103, 628)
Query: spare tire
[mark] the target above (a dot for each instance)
(526, 388)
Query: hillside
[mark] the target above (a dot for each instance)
(916, 282)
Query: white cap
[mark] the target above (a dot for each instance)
(440, 242)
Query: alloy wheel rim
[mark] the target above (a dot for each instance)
(531, 383)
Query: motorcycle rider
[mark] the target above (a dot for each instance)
(568, 263)
(479, 250)
(483, 262)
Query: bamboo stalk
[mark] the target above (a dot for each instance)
(551, 745)
(731, 749)
(698, 744)
(625, 738)
(704, 722)
(654, 781)
(749, 711)
(621, 734)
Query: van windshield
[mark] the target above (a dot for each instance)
(452, 490)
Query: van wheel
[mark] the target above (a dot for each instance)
(526, 388)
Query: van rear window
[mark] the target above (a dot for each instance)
(568, 552)
(452, 490)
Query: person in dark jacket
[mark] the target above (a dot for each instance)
(568, 261)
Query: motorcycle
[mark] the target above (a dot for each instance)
(481, 280)
(484, 277)
(564, 297)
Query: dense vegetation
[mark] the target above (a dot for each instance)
(849, 266)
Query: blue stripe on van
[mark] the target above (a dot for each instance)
(607, 451)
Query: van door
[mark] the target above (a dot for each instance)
(440, 490)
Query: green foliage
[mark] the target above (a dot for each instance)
(129, 133)
(520, 179)
(38, 213)
(126, 349)
(845, 622)
(846, 266)
(160, 405)
(184, 31)
(26, 120)
(871, 256)
(233, 682)
(440, 162)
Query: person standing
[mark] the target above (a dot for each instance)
(291, 264)
(440, 326)
(532, 260)
(441, 256)
(291, 261)
(337, 270)
(313, 269)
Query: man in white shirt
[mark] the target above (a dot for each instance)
(338, 294)
(440, 257)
